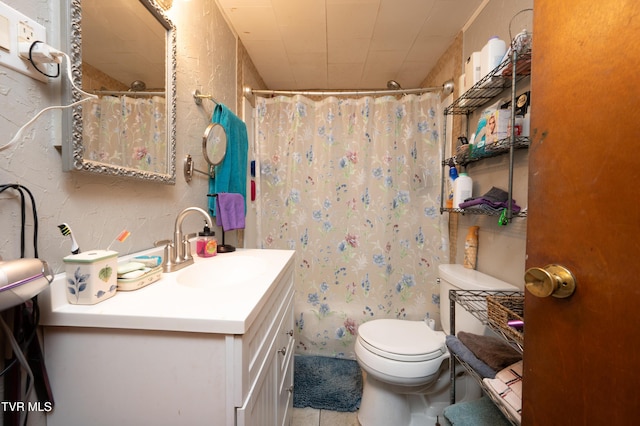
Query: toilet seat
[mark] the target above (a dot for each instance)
(400, 340)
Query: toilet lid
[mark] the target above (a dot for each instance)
(402, 340)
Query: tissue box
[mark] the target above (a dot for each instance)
(91, 276)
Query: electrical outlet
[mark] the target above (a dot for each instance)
(25, 35)
(5, 33)
(25, 32)
(21, 29)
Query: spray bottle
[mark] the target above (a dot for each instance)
(453, 175)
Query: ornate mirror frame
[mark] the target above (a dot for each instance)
(72, 148)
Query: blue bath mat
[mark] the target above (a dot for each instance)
(481, 412)
(326, 383)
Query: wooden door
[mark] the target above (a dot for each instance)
(582, 354)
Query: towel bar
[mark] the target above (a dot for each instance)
(223, 248)
(198, 97)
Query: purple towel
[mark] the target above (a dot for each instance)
(493, 201)
(230, 211)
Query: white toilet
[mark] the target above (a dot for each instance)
(407, 363)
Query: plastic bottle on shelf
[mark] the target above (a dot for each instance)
(472, 70)
(491, 54)
(453, 175)
(526, 123)
(462, 189)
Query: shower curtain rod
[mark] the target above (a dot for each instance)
(448, 86)
(127, 92)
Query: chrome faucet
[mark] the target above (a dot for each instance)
(177, 253)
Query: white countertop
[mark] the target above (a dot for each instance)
(223, 294)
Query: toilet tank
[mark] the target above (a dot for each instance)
(457, 277)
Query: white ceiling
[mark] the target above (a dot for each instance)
(346, 44)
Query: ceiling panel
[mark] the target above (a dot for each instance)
(346, 44)
(348, 51)
(255, 23)
(351, 20)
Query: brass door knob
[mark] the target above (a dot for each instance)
(552, 280)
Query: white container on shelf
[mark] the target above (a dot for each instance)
(472, 70)
(526, 123)
(491, 54)
(462, 189)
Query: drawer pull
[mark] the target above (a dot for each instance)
(290, 389)
(290, 333)
(283, 351)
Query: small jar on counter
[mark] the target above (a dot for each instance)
(206, 244)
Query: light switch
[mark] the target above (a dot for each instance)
(5, 41)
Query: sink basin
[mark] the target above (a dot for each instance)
(221, 271)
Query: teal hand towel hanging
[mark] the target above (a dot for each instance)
(231, 173)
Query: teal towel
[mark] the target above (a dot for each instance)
(481, 412)
(231, 173)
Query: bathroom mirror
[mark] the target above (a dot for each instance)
(124, 51)
(214, 144)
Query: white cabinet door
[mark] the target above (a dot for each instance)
(270, 401)
(286, 346)
(260, 407)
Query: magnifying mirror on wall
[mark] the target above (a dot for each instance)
(214, 144)
(214, 149)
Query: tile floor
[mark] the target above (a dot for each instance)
(312, 417)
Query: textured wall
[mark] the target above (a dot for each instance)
(99, 207)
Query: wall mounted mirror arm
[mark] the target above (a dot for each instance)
(189, 169)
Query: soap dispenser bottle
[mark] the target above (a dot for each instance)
(206, 245)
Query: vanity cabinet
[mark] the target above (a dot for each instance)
(176, 364)
(267, 396)
(512, 70)
(475, 302)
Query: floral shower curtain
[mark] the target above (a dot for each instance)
(126, 131)
(353, 185)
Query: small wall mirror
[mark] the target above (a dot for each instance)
(214, 144)
(214, 149)
(124, 51)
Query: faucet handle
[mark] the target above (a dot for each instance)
(187, 245)
(167, 261)
(162, 243)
